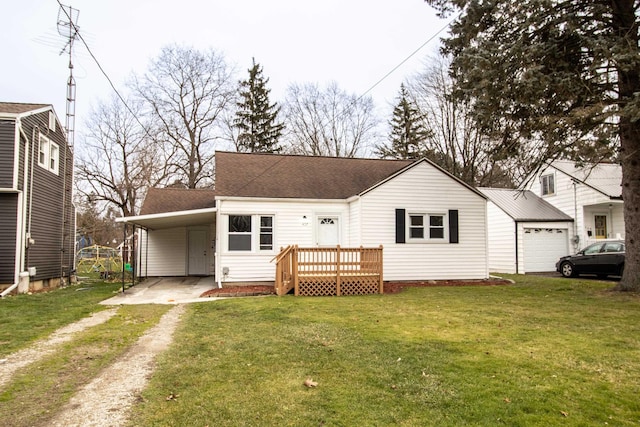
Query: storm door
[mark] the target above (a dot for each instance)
(600, 226)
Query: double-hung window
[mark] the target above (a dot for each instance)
(548, 184)
(48, 154)
(426, 227)
(250, 233)
(239, 232)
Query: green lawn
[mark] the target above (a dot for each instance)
(545, 351)
(542, 352)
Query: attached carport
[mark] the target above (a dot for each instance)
(175, 233)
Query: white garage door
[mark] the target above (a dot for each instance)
(543, 247)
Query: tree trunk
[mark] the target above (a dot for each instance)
(626, 30)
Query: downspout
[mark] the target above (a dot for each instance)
(517, 258)
(22, 231)
(216, 257)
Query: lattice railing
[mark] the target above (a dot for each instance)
(329, 271)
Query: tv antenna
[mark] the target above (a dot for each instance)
(68, 28)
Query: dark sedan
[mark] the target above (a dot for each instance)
(602, 258)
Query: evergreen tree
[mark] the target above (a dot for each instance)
(408, 132)
(555, 78)
(256, 118)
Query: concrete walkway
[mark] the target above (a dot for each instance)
(165, 290)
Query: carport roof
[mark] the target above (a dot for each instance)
(524, 205)
(174, 207)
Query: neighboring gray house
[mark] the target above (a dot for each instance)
(431, 225)
(525, 233)
(37, 217)
(591, 195)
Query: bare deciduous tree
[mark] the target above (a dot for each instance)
(117, 160)
(455, 141)
(186, 92)
(328, 122)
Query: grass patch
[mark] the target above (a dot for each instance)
(27, 318)
(545, 351)
(38, 391)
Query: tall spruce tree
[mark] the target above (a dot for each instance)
(408, 135)
(563, 75)
(256, 118)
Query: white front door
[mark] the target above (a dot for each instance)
(328, 231)
(198, 252)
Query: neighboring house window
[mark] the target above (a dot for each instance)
(266, 233)
(239, 232)
(43, 152)
(54, 157)
(48, 154)
(426, 227)
(52, 121)
(548, 185)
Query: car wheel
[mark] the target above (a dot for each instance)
(567, 269)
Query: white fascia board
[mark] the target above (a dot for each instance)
(127, 219)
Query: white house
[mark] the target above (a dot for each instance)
(525, 233)
(591, 195)
(431, 225)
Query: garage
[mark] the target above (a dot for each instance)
(543, 247)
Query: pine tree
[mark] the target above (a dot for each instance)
(408, 132)
(256, 118)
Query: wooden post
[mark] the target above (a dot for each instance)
(294, 270)
(380, 268)
(338, 270)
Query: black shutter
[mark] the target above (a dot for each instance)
(453, 226)
(400, 227)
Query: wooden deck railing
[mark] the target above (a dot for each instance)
(329, 271)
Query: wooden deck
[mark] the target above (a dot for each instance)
(329, 271)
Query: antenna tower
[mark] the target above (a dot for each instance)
(67, 27)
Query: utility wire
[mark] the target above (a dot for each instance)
(77, 31)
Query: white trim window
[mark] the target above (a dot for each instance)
(48, 154)
(52, 121)
(54, 157)
(250, 233)
(548, 184)
(266, 233)
(427, 227)
(239, 233)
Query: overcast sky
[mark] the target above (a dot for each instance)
(352, 42)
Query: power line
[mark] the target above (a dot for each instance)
(104, 73)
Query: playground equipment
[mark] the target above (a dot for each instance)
(98, 259)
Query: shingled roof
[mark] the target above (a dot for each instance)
(19, 108)
(162, 200)
(291, 176)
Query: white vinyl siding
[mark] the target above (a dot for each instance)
(582, 203)
(165, 252)
(294, 223)
(423, 189)
(501, 240)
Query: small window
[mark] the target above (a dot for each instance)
(43, 152)
(54, 157)
(416, 226)
(266, 233)
(239, 232)
(427, 227)
(548, 185)
(52, 121)
(436, 226)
